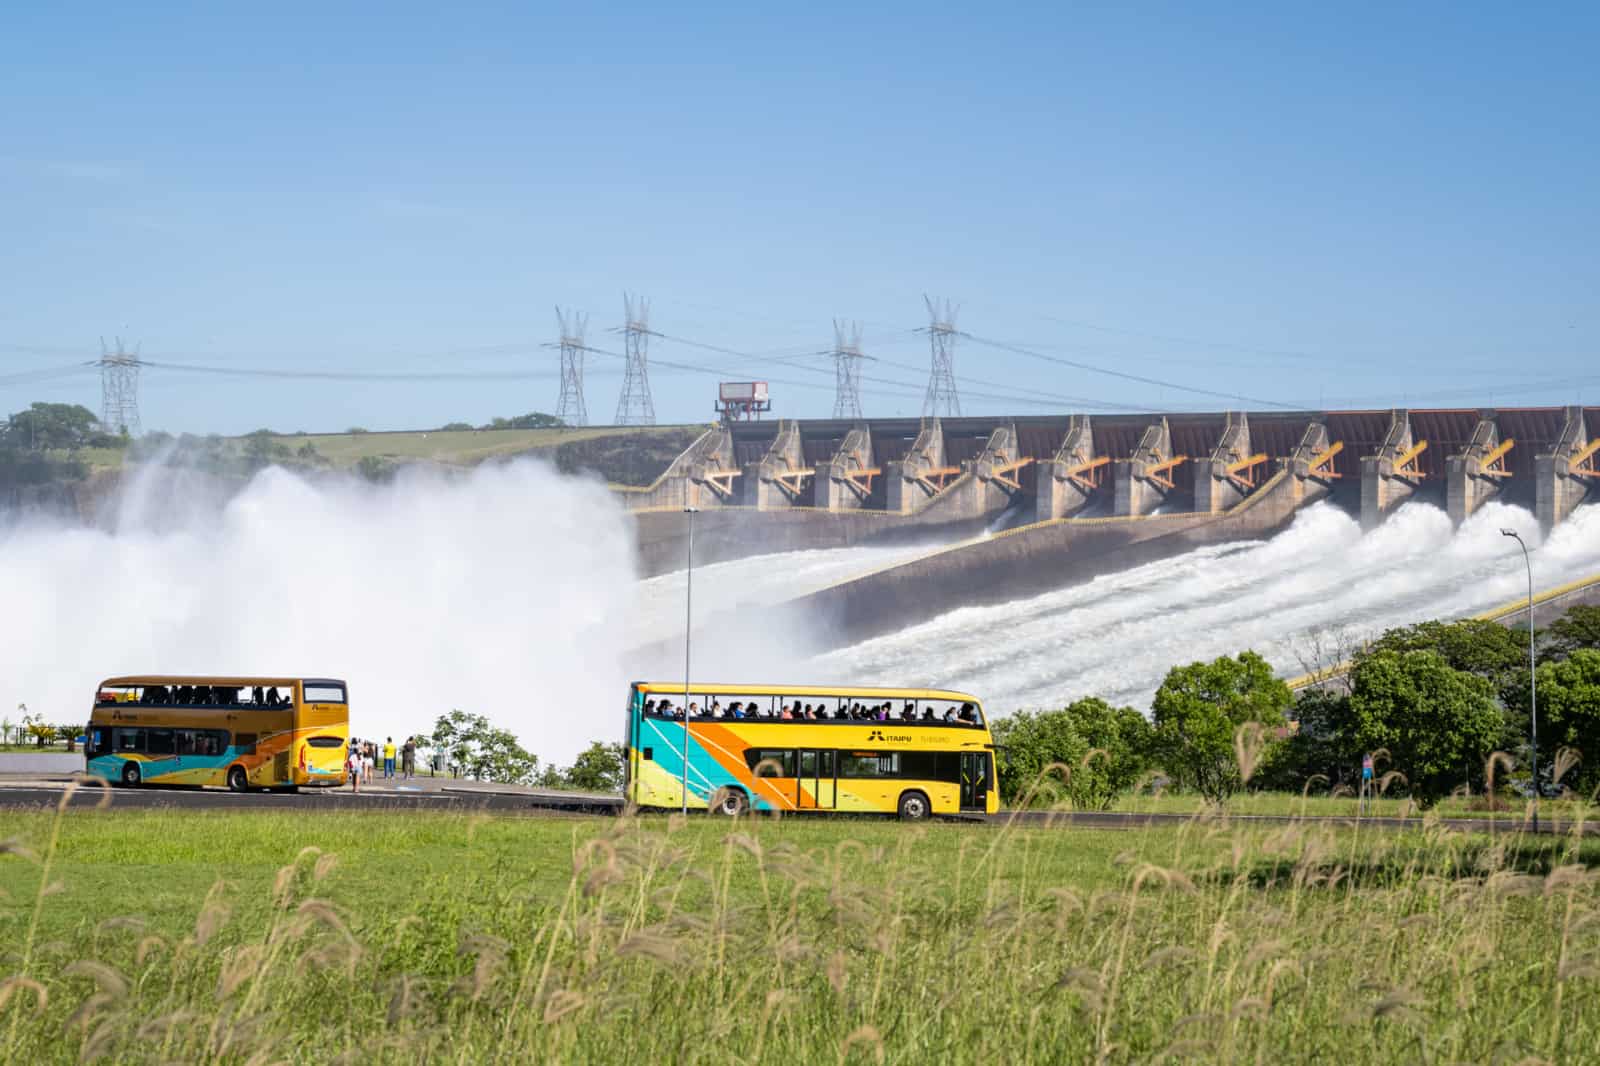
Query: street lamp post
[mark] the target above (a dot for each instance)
(688, 640)
(1533, 673)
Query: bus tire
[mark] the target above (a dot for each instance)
(131, 775)
(914, 807)
(238, 780)
(730, 802)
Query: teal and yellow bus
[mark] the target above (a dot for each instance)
(907, 751)
(242, 732)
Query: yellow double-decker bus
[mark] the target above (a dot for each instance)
(907, 751)
(242, 732)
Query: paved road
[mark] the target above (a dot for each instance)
(440, 794)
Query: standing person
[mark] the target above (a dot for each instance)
(388, 758)
(352, 766)
(408, 758)
(367, 753)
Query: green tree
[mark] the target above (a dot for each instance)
(52, 426)
(375, 467)
(482, 751)
(1198, 712)
(1438, 724)
(455, 427)
(1472, 645)
(598, 768)
(536, 420)
(1578, 628)
(1030, 741)
(1323, 742)
(1569, 708)
(1106, 750)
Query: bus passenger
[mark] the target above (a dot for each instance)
(969, 714)
(716, 709)
(909, 713)
(788, 713)
(949, 715)
(734, 711)
(927, 713)
(649, 706)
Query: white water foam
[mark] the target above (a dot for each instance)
(1117, 635)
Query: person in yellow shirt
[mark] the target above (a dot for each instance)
(388, 757)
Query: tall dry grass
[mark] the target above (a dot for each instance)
(786, 940)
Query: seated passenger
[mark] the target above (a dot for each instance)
(842, 713)
(969, 714)
(734, 711)
(716, 709)
(949, 715)
(694, 709)
(927, 713)
(649, 705)
(788, 712)
(909, 713)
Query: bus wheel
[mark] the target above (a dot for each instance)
(914, 807)
(130, 774)
(730, 802)
(237, 780)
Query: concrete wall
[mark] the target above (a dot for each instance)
(1382, 489)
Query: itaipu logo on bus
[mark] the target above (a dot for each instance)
(877, 734)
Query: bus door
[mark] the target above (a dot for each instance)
(816, 789)
(975, 780)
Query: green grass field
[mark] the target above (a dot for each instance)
(161, 937)
(458, 448)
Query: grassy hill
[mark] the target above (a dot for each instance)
(624, 455)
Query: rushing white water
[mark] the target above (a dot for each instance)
(1117, 636)
(751, 583)
(498, 592)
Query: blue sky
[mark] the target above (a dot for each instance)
(1332, 205)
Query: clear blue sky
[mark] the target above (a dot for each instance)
(1312, 204)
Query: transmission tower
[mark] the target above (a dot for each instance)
(635, 408)
(942, 398)
(119, 389)
(847, 369)
(570, 408)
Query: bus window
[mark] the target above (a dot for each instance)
(98, 742)
(159, 742)
(326, 742)
(129, 740)
(869, 764)
(322, 692)
(783, 757)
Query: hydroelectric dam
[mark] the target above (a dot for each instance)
(969, 513)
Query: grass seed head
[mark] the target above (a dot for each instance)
(107, 979)
(867, 1036)
(16, 983)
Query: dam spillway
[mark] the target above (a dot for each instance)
(1082, 496)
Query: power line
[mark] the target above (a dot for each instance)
(350, 375)
(1158, 382)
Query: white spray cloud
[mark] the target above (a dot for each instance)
(1117, 635)
(502, 591)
